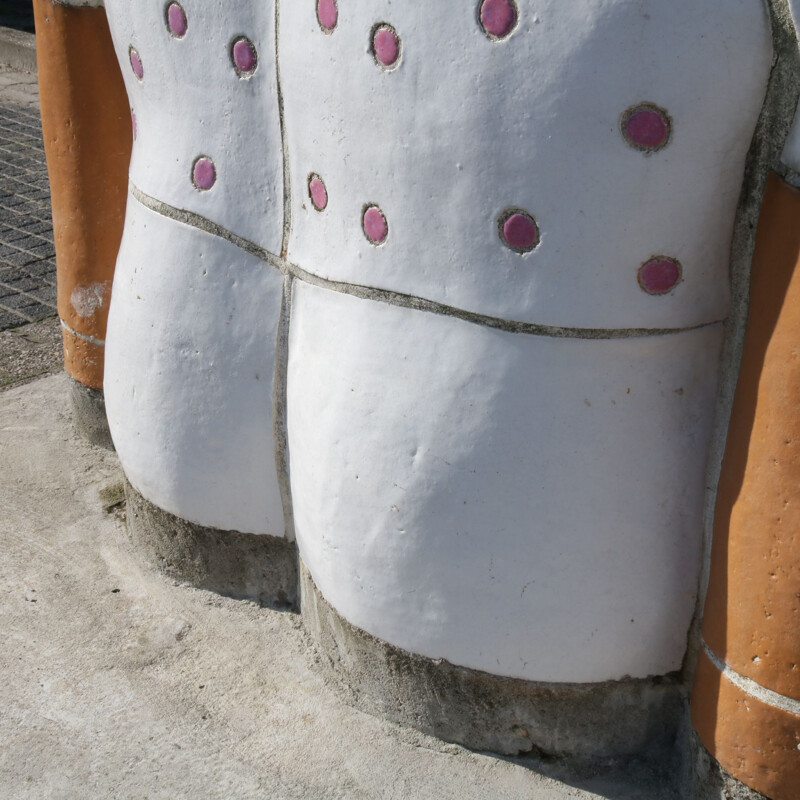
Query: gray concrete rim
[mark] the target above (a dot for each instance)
(244, 566)
(17, 49)
(578, 722)
(89, 414)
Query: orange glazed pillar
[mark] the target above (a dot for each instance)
(746, 699)
(87, 138)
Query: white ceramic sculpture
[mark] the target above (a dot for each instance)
(477, 257)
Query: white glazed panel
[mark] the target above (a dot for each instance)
(191, 102)
(465, 127)
(523, 505)
(791, 152)
(190, 357)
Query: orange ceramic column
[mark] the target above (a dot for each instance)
(87, 136)
(746, 700)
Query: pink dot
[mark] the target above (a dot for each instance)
(659, 275)
(134, 129)
(176, 20)
(376, 229)
(317, 192)
(386, 45)
(245, 58)
(519, 230)
(327, 14)
(646, 127)
(204, 174)
(498, 17)
(136, 63)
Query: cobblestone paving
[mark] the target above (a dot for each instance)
(27, 254)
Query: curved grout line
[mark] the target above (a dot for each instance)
(400, 299)
(84, 336)
(280, 430)
(197, 221)
(511, 326)
(287, 187)
(749, 686)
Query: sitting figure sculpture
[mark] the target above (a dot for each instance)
(454, 296)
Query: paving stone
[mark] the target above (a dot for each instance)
(46, 294)
(27, 265)
(14, 301)
(8, 319)
(19, 258)
(21, 283)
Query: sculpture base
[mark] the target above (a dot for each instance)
(244, 566)
(711, 781)
(89, 414)
(583, 722)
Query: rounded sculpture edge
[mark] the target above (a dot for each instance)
(576, 723)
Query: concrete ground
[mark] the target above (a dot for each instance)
(116, 682)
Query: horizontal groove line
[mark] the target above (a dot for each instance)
(749, 686)
(398, 298)
(84, 336)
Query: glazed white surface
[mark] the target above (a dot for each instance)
(791, 150)
(191, 103)
(523, 505)
(190, 357)
(465, 127)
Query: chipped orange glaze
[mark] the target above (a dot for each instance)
(757, 743)
(83, 360)
(87, 136)
(752, 618)
(752, 613)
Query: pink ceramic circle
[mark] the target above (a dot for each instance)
(176, 20)
(518, 230)
(646, 127)
(317, 192)
(498, 17)
(327, 14)
(386, 45)
(660, 274)
(376, 229)
(204, 173)
(136, 63)
(244, 55)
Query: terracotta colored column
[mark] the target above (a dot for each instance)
(746, 700)
(87, 136)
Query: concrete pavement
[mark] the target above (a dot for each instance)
(117, 682)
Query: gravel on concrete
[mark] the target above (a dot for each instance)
(29, 352)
